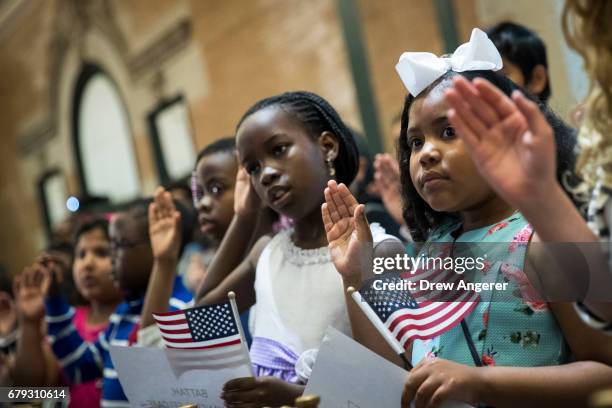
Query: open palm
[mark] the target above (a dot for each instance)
(30, 289)
(164, 226)
(348, 233)
(8, 315)
(246, 200)
(510, 140)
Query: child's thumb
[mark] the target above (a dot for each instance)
(361, 222)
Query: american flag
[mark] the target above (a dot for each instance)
(203, 338)
(408, 320)
(204, 327)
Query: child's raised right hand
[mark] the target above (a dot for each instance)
(246, 200)
(164, 226)
(510, 141)
(348, 233)
(30, 289)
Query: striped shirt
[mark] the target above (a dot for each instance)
(83, 361)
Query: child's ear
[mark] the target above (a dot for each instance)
(539, 78)
(329, 145)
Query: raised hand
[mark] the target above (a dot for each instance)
(246, 200)
(164, 226)
(8, 313)
(348, 233)
(388, 185)
(510, 141)
(30, 289)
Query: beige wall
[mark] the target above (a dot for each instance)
(391, 27)
(237, 52)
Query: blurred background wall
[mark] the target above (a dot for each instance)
(97, 95)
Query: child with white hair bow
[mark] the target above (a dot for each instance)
(513, 348)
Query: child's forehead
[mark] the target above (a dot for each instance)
(430, 105)
(274, 119)
(225, 161)
(269, 123)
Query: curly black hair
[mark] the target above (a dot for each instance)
(419, 216)
(318, 116)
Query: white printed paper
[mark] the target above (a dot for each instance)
(348, 375)
(170, 378)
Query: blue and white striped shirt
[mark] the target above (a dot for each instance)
(83, 361)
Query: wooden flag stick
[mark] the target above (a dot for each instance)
(232, 298)
(379, 325)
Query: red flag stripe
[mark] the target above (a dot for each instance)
(168, 314)
(452, 321)
(171, 322)
(229, 343)
(436, 308)
(179, 331)
(443, 315)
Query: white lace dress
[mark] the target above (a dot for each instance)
(299, 294)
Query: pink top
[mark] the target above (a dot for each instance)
(87, 394)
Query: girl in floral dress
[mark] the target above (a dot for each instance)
(512, 349)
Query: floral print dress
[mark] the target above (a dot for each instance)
(510, 327)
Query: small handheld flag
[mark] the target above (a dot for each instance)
(400, 319)
(215, 330)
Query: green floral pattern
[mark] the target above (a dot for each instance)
(513, 328)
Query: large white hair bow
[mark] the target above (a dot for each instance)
(418, 70)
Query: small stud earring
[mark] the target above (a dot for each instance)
(330, 167)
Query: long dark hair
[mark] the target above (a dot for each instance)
(419, 216)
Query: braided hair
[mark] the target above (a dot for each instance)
(318, 116)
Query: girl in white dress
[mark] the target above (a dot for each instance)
(289, 147)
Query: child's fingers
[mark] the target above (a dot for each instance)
(37, 276)
(535, 118)
(348, 200)
(496, 98)
(472, 123)
(361, 223)
(152, 213)
(240, 384)
(157, 195)
(241, 397)
(331, 206)
(327, 221)
(27, 277)
(472, 98)
(341, 206)
(161, 202)
(463, 130)
(168, 202)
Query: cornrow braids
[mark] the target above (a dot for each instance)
(318, 116)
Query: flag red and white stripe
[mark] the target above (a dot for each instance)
(202, 327)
